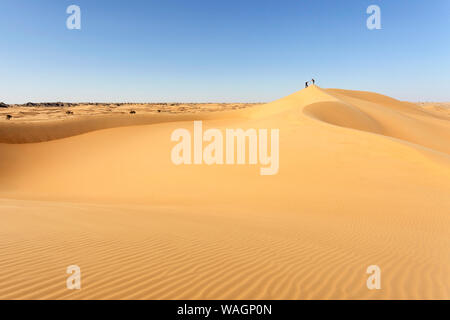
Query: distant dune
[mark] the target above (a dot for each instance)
(364, 179)
(38, 122)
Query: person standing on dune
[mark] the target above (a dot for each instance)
(313, 81)
(306, 84)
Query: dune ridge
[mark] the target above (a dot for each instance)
(364, 179)
(52, 127)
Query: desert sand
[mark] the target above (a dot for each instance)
(364, 179)
(40, 122)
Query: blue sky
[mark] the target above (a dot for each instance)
(221, 50)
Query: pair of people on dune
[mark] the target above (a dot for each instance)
(308, 82)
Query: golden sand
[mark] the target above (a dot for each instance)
(364, 179)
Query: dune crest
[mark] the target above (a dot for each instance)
(363, 179)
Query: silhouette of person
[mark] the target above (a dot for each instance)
(313, 81)
(306, 84)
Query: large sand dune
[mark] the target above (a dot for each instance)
(364, 179)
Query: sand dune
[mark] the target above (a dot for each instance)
(364, 179)
(43, 123)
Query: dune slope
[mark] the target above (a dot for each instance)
(364, 179)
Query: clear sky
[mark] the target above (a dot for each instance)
(221, 50)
